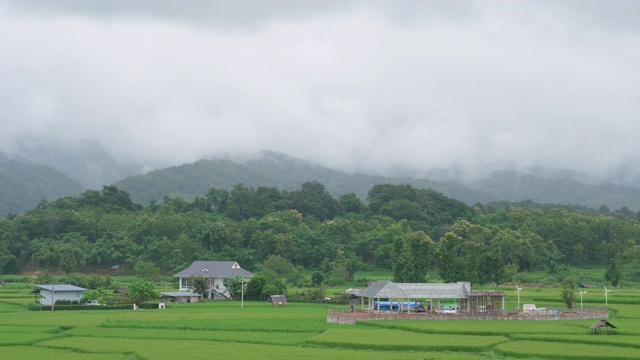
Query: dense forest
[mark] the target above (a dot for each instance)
(413, 232)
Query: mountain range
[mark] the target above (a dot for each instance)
(25, 180)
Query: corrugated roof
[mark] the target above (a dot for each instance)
(219, 269)
(61, 287)
(602, 323)
(458, 290)
(383, 289)
(387, 289)
(356, 292)
(179, 294)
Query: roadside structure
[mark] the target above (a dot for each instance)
(214, 272)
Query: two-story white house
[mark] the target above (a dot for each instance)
(214, 272)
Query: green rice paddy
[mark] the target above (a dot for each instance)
(299, 330)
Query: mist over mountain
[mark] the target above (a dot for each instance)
(289, 173)
(23, 186)
(403, 89)
(44, 169)
(86, 161)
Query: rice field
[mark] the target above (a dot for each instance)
(299, 330)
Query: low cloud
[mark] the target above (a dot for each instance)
(363, 86)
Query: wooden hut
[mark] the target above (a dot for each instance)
(609, 327)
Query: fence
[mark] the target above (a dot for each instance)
(348, 316)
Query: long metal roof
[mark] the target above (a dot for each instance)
(386, 289)
(383, 289)
(458, 290)
(218, 269)
(61, 287)
(179, 294)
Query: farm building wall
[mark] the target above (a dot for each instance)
(46, 296)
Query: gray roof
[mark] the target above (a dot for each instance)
(601, 323)
(61, 288)
(459, 290)
(179, 294)
(383, 289)
(218, 269)
(386, 289)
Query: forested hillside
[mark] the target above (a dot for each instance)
(514, 186)
(272, 170)
(23, 186)
(287, 173)
(402, 228)
(21, 189)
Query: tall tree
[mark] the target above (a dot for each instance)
(412, 257)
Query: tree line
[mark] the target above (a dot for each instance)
(413, 232)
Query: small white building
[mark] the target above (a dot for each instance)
(214, 273)
(50, 293)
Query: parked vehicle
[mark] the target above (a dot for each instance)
(92, 302)
(450, 309)
(386, 305)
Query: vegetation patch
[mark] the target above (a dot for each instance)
(35, 352)
(484, 328)
(394, 340)
(269, 322)
(591, 338)
(280, 338)
(25, 337)
(565, 350)
(162, 349)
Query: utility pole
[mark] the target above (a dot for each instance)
(53, 292)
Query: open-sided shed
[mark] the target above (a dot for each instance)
(609, 326)
(385, 289)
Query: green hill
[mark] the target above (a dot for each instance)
(514, 186)
(272, 170)
(289, 173)
(23, 186)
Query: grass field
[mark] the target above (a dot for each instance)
(299, 330)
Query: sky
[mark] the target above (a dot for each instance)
(366, 86)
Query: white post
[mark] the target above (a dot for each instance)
(606, 298)
(242, 292)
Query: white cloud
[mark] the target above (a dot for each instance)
(366, 86)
